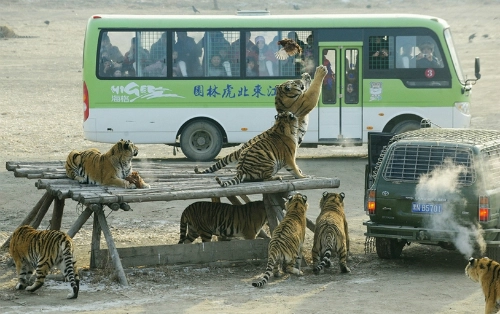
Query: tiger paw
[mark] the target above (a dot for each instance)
(321, 72)
(20, 286)
(306, 77)
(196, 169)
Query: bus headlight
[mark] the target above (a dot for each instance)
(463, 107)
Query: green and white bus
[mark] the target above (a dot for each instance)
(207, 82)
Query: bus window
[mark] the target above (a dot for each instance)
(157, 62)
(266, 45)
(188, 54)
(405, 52)
(110, 53)
(351, 77)
(328, 92)
(217, 52)
(427, 55)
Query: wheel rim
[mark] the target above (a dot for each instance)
(200, 140)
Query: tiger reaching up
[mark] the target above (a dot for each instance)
(266, 157)
(487, 272)
(299, 97)
(92, 167)
(41, 250)
(285, 247)
(331, 234)
(204, 219)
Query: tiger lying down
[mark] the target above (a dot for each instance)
(112, 168)
(299, 97)
(204, 219)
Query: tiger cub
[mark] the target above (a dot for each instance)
(331, 234)
(41, 250)
(111, 168)
(297, 96)
(285, 247)
(204, 219)
(487, 272)
(266, 157)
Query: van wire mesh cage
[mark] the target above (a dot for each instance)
(411, 159)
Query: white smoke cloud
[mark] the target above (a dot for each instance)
(440, 186)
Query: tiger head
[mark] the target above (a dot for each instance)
(287, 94)
(297, 201)
(286, 123)
(124, 149)
(478, 268)
(334, 200)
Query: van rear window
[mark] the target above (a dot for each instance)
(409, 162)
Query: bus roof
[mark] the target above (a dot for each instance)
(264, 21)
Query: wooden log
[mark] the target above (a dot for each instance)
(244, 188)
(28, 218)
(57, 213)
(80, 221)
(196, 253)
(112, 248)
(43, 210)
(274, 210)
(95, 246)
(234, 200)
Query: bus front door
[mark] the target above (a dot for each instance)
(340, 104)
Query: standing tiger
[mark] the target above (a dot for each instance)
(331, 234)
(296, 96)
(285, 247)
(92, 167)
(41, 250)
(487, 272)
(204, 219)
(266, 157)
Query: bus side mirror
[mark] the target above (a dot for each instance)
(477, 68)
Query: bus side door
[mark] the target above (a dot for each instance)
(340, 104)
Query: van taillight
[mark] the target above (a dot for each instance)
(370, 203)
(85, 102)
(484, 208)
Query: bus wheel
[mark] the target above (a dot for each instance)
(405, 126)
(388, 248)
(201, 140)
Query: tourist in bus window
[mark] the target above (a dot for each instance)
(379, 52)
(111, 52)
(189, 54)
(130, 60)
(251, 66)
(329, 80)
(158, 57)
(426, 58)
(215, 67)
(235, 52)
(265, 57)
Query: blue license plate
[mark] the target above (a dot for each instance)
(426, 208)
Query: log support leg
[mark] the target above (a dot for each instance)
(57, 213)
(100, 220)
(80, 221)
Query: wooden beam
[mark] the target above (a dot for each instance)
(115, 257)
(57, 213)
(80, 221)
(196, 253)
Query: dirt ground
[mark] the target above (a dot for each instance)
(41, 119)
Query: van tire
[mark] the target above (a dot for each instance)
(388, 248)
(405, 126)
(201, 140)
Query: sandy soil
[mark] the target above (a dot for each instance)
(40, 119)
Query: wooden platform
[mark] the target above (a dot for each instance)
(169, 181)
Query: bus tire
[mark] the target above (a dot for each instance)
(201, 140)
(388, 248)
(405, 126)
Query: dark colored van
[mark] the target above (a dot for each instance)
(433, 186)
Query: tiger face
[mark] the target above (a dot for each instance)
(486, 271)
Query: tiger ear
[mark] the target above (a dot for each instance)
(325, 193)
(471, 261)
(125, 146)
(342, 195)
(304, 198)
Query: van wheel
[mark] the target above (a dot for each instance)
(388, 248)
(201, 140)
(405, 126)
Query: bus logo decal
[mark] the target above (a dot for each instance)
(375, 91)
(133, 91)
